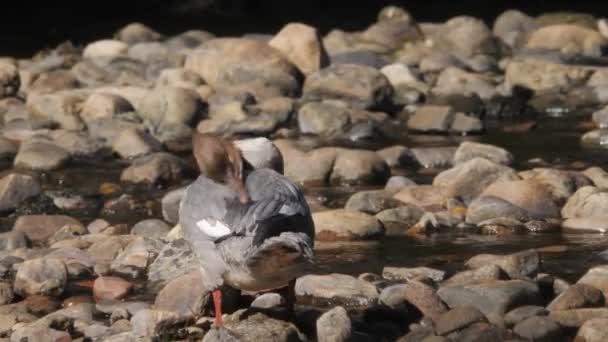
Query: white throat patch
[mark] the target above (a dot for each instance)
(214, 229)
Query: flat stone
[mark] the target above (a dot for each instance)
(111, 288)
(154, 168)
(405, 273)
(40, 156)
(174, 260)
(457, 319)
(334, 326)
(39, 228)
(522, 313)
(575, 318)
(539, 328)
(431, 118)
(469, 150)
(16, 188)
(184, 295)
(418, 294)
(359, 167)
(577, 296)
(397, 220)
(134, 260)
(478, 275)
(517, 265)
(151, 228)
(335, 289)
(343, 224)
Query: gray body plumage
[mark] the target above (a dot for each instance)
(268, 241)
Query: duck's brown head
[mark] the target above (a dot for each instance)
(220, 160)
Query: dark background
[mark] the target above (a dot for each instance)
(28, 26)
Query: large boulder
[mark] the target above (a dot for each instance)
(466, 36)
(302, 45)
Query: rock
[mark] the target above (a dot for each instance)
(261, 153)
(371, 201)
(9, 80)
(107, 288)
(361, 86)
(6, 293)
(538, 328)
(600, 117)
(458, 319)
(364, 58)
(593, 330)
(336, 289)
(40, 156)
(596, 277)
(396, 156)
(148, 323)
(320, 163)
(430, 118)
(132, 143)
(568, 39)
(470, 150)
(494, 299)
(246, 64)
(105, 48)
(78, 263)
(41, 276)
(10, 241)
(562, 184)
(16, 188)
(134, 260)
(469, 179)
(466, 124)
(455, 81)
(8, 149)
(179, 78)
(342, 224)
(137, 33)
(479, 275)
(420, 295)
(513, 27)
(174, 260)
(522, 313)
(154, 168)
(404, 273)
(323, 119)
(184, 295)
(302, 46)
(598, 176)
(465, 36)
(151, 228)
(575, 318)
(171, 105)
(334, 326)
(517, 265)
(105, 250)
(39, 228)
(577, 296)
(268, 301)
(519, 199)
(359, 167)
(539, 75)
(587, 202)
(397, 220)
(170, 204)
(400, 75)
(251, 327)
(423, 196)
(77, 144)
(396, 183)
(433, 157)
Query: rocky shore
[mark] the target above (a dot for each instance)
(95, 156)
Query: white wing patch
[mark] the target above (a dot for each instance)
(215, 229)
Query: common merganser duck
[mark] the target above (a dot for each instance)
(249, 228)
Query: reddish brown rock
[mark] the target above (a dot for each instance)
(110, 288)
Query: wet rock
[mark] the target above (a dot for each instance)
(418, 294)
(268, 301)
(479, 275)
(105, 48)
(320, 163)
(361, 86)
(596, 277)
(465, 36)
(577, 296)
(335, 289)
(148, 323)
(593, 330)
(539, 75)
(568, 39)
(137, 33)
(154, 168)
(520, 199)
(457, 319)
(430, 118)
(399, 219)
(562, 184)
(359, 167)
(39, 228)
(404, 273)
(513, 27)
(334, 326)
(371, 201)
(174, 260)
(423, 196)
(400, 75)
(247, 327)
(342, 224)
(396, 183)
(434, 157)
(40, 156)
(131, 143)
(302, 46)
(322, 118)
(517, 265)
(170, 204)
(585, 203)
(469, 179)
(9, 80)
(16, 188)
(107, 288)
(495, 298)
(246, 64)
(151, 228)
(598, 176)
(522, 313)
(41, 276)
(539, 328)
(470, 150)
(134, 260)
(261, 153)
(184, 295)
(575, 318)
(78, 263)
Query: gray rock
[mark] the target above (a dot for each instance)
(423, 196)
(78, 263)
(131, 143)
(517, 265)
(149, 322)
(513, 27)
(415, 293)
(171, 105)
(221, 335)
(170, 204)
(469, 150)
(458, 319)
(359, 167)
(247, 327)
(404, 273)
(397, 183)
(466, 36)
(154, 168)
(16, 188)
(323, 119)
(39, 228)
(320, 162)
(40, 156)
(136, 257)
(598, 176)
(494, 299)
(478, 275)
(593, 330)
(371, 201)
(399, 219)
(151, 228)
(342, 224)
(431, 118)
(434, 157)
(362, 86)
(577, 296)
(334, 326)
(41, 277)
(184, 295)
(335, 289)
(174, 260)
(522, 313)
(268, 301)
(596, 277)
(105, 250)
(455, 81)
(538, 328)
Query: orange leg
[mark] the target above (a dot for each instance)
(217, 304)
